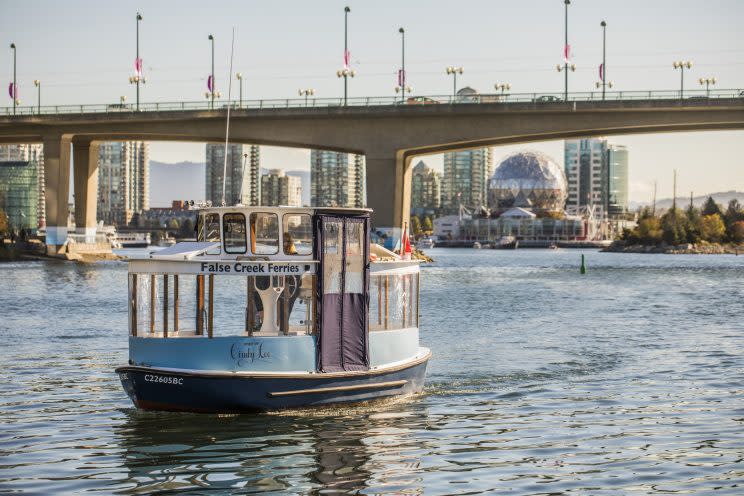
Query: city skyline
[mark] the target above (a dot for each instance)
(527, 44)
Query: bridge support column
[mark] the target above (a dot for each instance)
(85, 172)
(389, 188)
(57, 186)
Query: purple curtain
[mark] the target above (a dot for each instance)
(343, 343)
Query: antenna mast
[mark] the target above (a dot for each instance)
(227, 128)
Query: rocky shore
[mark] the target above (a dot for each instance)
(621, 246)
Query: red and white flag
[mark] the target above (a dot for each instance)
(347, 59)
(138, 67)
(405, 245)
(567, 54)
(401, 78)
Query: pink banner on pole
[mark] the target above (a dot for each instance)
(138, 66)
(401, 78)
(347, 59)
(10, 90)
(567, 53)
(601, 72)
(209, 83)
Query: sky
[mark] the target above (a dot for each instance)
(83, 52)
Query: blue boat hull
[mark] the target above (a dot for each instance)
(192, 391)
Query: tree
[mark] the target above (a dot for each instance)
(734, 213)
(711, 207)
(415, 225)
(736, 232)
(428, 226)
(649, 230)
(3, 222)
(712, 228)
(673, 225)
(173, 224)
(693, 224)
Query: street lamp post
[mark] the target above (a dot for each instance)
(603, 75)
(306, 93)
(566, 51)
(454, 71)
(211, 76)
(15, 85)
(37, 83)
(346, 71)
(138, 64)
(707, 82)
(682, 65)
(402, 76)
(239, 77)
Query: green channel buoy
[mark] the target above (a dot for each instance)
(583, 265)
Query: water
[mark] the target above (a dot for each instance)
(627, 380)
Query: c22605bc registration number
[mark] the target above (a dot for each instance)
(178, 381)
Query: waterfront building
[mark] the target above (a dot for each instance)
(123, 181)
(597, 173)
(617, 160)
(527, 194)
(336, 181)
(277, 188)
(465, 179)
(34, 153)
(243, 181)
(426, 190)
(19, 190)
(529, 180)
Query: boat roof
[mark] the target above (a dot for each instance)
(287, 208)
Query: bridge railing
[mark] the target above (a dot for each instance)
(375, 101)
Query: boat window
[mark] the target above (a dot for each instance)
(209, 227)
(298, 234)
(233, 225)
(354, 279)
(393, 301)
(264, 233)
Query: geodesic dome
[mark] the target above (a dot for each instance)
(528, 180)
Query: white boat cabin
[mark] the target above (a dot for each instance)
(267, 272)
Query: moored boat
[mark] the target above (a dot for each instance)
(273, 308)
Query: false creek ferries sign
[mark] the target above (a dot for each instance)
(222, 267)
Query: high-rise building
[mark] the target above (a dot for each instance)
(19, 190)
(243, 174)
(426, 190)
(33, 153)
(277, 188)
(336, 181)
(617, 159)
(465, 179)
(585, 163)
(123, 180)
(597, 174)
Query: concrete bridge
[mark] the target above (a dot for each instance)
(388, 135)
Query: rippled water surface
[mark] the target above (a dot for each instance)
(627, 380)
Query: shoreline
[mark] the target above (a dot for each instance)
(682, 249)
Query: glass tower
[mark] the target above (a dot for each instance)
(465, 179)
(19, 194)
(337, 181)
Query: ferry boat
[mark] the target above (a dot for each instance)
(133, 240)
(425, 243)
(273, 308)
